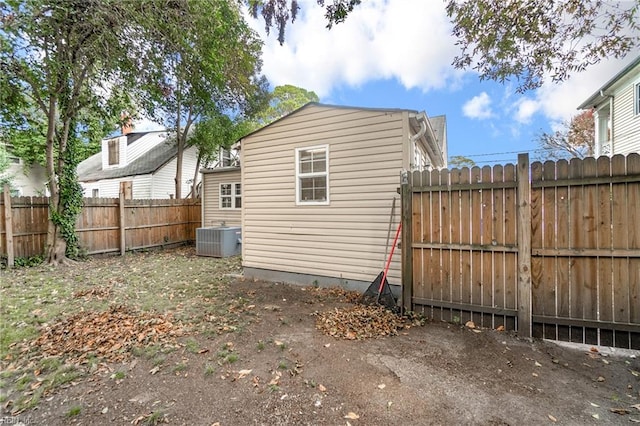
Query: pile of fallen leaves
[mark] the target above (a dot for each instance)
(110, 334)
(360, 322)
(343, 295)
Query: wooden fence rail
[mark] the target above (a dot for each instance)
(549, 249)
(105, 225)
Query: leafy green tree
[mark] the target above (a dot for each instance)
(210, 62)
(575, 138)
(282, 101)
(460, 161)
(502, 40)
(5, 177)
(213, 133)
(528, 40)
(55, 58)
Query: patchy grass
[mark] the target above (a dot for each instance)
(194, 290)
(74, 411)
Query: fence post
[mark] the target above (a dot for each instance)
(122, 227)
(8, 225)
(524, 247)
(407, 253)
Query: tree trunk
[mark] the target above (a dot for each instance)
(194, 183)
(55, 247)
(179, 168)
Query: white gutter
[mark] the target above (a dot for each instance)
(424, 124)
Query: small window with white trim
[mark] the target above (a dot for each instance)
(230, 196)
(312, 175)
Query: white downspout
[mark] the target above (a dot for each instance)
(413, 139)
(611, 123)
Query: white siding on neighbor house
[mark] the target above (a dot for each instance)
(164, 185)
(347, 238)
(110, 188)
(30, 181)
(626, 123)
(141, 146)
(212, 215)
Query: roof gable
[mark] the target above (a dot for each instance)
(600, 94)
(160, 154)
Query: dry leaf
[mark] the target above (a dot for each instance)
(635, 373)
(553, 419)
(594, 405)
(594, 349)
(470, 324)
(382, 386)
(636, 406)
(595, 416)
(621, 411)
(352, 416)
(500, 328)
(243, 373)
(601, 379)
(537, 364)
(322, 388)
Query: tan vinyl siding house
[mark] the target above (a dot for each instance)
(318, 186)
(221, 211)
(616, 107)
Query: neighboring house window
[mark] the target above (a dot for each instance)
(114, 152)
(95, 193)
(419, 157)
(636, 98)
(312, 175)
(230, 196)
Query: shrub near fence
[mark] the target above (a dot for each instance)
(105, 225)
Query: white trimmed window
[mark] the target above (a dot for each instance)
(114, 152)
(230, 196)
(312, 175)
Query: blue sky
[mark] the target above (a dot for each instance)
(397, 54)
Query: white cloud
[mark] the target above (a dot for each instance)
(525, 109)
(408, 40)
(478, 107)
(560, 101)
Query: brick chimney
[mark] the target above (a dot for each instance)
(126, 125)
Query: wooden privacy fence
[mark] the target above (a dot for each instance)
(550, 249)
(105, 225)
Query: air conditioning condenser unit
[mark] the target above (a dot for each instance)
(219, 242)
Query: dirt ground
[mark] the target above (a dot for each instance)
(278, 368)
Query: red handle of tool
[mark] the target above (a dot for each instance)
(393, 248)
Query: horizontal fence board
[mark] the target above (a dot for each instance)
(584, 247)
(148, 223)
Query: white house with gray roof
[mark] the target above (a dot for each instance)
(144, 162)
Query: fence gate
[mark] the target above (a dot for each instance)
(551, 250)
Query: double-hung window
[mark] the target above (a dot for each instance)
(230, 196)
(312, 175)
